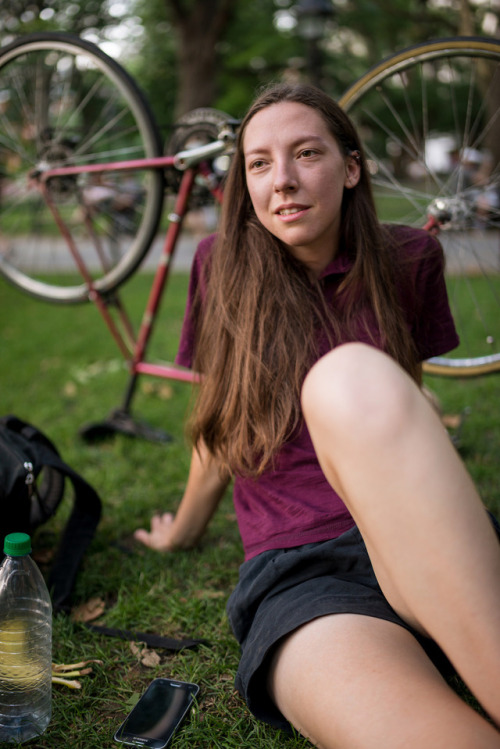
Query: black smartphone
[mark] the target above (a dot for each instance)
(157, 714)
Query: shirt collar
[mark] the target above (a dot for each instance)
(341, 263)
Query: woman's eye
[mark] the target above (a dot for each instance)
(257, 164)
(308, 152)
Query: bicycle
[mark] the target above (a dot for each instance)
(79, 140)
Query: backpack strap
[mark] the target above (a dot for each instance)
(82, 523)
(151, 640)
(77, 535)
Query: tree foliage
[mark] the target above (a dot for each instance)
(25, 16)
(249, 48)
(196, 53)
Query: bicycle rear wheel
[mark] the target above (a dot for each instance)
(63, 102)
(429, 118)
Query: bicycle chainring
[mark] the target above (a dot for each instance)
(196, 128)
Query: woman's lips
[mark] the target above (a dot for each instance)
(290, 213)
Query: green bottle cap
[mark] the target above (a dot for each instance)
(17, 544)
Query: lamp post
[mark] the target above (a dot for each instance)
(312, 18)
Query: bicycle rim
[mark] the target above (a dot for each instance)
(429, 118)
(63, 102)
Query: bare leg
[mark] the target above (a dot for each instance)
(353, 682)
(437, 559)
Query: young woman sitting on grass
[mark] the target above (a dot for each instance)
(370, 561)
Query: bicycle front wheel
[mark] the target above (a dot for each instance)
(429, 118)
(63, 102)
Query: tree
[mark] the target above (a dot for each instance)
(178, 61)
(201, 24)
(183, 36)
(183, 66)
(367, 31)
(24, 16)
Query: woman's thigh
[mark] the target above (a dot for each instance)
(348, 681)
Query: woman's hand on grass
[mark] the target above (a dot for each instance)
(159, 537)
(204, 490)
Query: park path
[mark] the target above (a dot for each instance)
(471, 252)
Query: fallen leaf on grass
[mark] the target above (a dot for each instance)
(163, 391)
(147, 657)
(96, 369)
(88, 611)
(150, 659)
(452, 421)
(135, 649)
(208, 594)
(70, 390)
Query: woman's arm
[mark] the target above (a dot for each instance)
(204, 490)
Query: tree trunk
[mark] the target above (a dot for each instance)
(200, 25)
(466, 19)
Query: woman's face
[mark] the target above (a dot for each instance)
(296, 176)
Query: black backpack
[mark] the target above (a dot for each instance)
(32, 481)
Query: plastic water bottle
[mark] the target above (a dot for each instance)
(25, 644)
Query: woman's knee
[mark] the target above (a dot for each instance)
(356, 386)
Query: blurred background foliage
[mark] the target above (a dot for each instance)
(195, 53)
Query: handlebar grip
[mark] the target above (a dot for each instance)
(185, 159)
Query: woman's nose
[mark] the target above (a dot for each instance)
(285, 179)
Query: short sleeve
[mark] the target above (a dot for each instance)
(432, 325)
(196, 291)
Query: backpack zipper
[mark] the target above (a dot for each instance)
(29, 478)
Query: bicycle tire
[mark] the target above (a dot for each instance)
(444, 93)
(64, 102)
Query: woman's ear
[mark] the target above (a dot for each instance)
(352, 169)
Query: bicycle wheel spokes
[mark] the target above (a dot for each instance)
(65, 103)
(429, 117)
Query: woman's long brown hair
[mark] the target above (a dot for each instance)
(259, 323)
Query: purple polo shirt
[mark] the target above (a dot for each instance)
(293, 504)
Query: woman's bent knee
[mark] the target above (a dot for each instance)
(356, 387)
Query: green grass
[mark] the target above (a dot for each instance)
(60, 369)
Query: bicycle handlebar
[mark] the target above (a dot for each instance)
(185, 159)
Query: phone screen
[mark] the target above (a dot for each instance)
(161, 708)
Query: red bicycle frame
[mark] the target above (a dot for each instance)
(133, 347)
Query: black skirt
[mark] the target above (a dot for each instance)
(280, 590)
